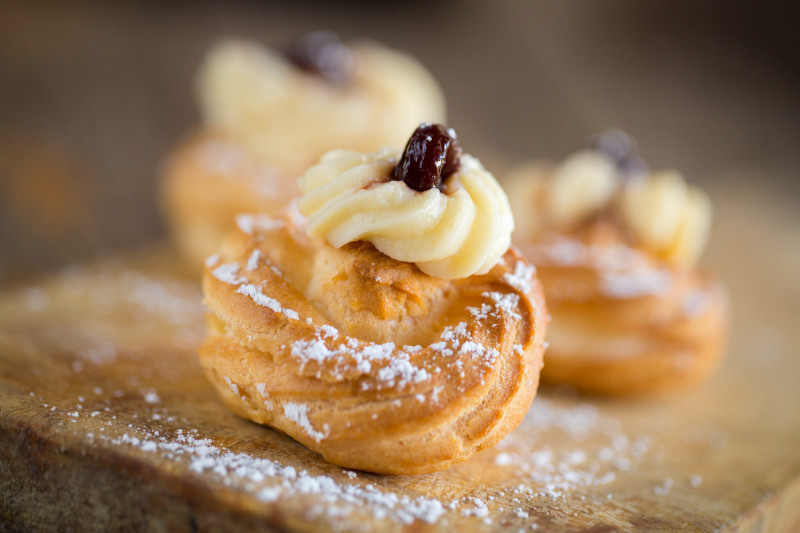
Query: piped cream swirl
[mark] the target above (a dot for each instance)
(288, 117)
(465, 230)
(665, 214)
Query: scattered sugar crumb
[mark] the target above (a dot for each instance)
(152, 397)
(635, 283)
(298, 414)
(502, 459)
(254, 259)
(256, 294)
(522, 277)
(505, 302)
(228, 273)
(233, 386)
(328, 331)
(665, 487)
(248, 222)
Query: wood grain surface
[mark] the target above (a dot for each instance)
(107, 424)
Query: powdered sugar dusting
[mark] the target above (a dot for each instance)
(392, 367)
(298, 414)
(232, 386)
(567, 252)
(341, 499)
(152, 397)
(351, 356)
(270, 481)
(559, 472)
(255, 257)
(101, 296)
(256, 294)
(530, 471)
(635, 283)
(400, 371)
(522, 277)
(328, 331)
(317, 350)
(505, 302)
(249, 223)
(229, 273)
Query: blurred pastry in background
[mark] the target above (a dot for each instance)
(617, 249)
(268, 115)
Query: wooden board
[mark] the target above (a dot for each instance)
(106, 422)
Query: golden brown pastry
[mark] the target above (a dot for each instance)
(360, 356)
(208, 180)
(616, 248)
(267, 116)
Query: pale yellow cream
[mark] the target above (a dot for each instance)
(349, 196)
(578, 188)
(671, 217)
(668, 216)
(289, 118)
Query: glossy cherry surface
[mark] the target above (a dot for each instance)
(431, 155)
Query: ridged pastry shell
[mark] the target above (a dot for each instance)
(365, 359)
(623, 322)
(207, 181)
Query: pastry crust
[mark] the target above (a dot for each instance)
(623, 322)
(365, 359)
(208, 180)
(617, 248)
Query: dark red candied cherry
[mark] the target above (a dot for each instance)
(622, 150)
(432, 154)
(324, 54)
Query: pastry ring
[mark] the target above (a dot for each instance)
(616, 248)
(623, 324)
(364, 358)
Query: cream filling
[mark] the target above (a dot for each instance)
(668, 217)
(348, 197)
(289, 118)
(671, 217)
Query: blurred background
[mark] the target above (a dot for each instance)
(93, 95)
